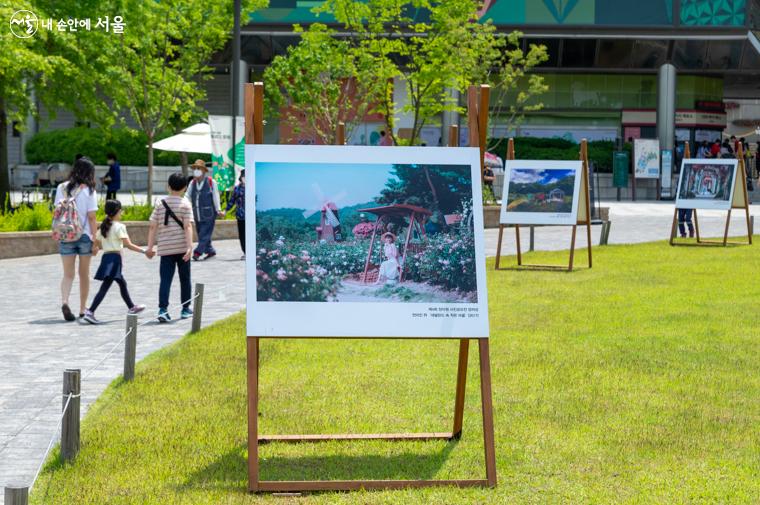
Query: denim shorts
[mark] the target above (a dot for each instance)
(81, 247)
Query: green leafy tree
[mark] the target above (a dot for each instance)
(516, 89)
(57, 69)
(322, 81)
(432, 47)
(436, 188)
(162, 60)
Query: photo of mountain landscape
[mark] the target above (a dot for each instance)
(541, 192)
(538, 190)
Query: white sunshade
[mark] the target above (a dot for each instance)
(194, 139)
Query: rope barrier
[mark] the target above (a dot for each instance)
(52, 439)
(89, 372)
(156, 318)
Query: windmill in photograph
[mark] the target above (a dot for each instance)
(329, 228)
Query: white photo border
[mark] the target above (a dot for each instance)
(545, 218)
(388, 319)
(690, 203)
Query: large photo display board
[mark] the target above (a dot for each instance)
(706, 184)
(541, 192)
(350, 241)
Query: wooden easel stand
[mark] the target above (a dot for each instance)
(583, 220)
(254, 135)
(739, 200)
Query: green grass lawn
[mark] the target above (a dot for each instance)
(635, 382)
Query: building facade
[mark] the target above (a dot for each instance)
(604, 56)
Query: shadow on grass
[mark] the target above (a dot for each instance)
(231, 470)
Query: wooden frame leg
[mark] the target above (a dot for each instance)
(517, 244)
(255, 484)
(572, 248)
(728, 224)
(464, 352)
(696, 227)
(673, 227)
(498, 246)
(487, 404)
(252, 345)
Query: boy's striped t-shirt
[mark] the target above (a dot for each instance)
(171, 237)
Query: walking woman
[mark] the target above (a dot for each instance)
(80, 190)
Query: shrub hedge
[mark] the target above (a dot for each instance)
(128, 144)
(532, 148)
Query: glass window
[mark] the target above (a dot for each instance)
(578, 53)
(615, 53)
(649, 53)
(689, 54)
(724, 54)
(751, 59)
(753, 10)
(552, 50)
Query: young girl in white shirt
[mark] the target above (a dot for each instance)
(112, 237)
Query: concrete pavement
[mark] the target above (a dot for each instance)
(36, 345)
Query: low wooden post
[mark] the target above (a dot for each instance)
(197, 308)
(605, 235)
(16, 495)
(70, 424)
(340, 134)
(130, 347)
(454, 136)
(532, 242)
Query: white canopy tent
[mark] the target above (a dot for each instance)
(193, 139)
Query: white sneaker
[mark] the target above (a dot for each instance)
(89, 317)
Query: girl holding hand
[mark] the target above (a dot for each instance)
(112, 237)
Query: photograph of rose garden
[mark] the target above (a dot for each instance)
(332, 252)
(370, 232)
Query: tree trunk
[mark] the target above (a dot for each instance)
(183, 162)
(150, 168)
(432, 187)
(5, 182)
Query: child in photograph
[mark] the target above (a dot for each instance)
(112, 237)
(171, 227)
(237, 200)
(389, 269)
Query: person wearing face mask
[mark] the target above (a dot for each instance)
(112, 179)
(204, 197)
(237, 200)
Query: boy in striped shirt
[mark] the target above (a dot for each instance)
(171, 226)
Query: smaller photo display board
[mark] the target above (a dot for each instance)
(541, 192)
(707, 184)
(646, 158)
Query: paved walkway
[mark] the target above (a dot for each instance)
(36, 345)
